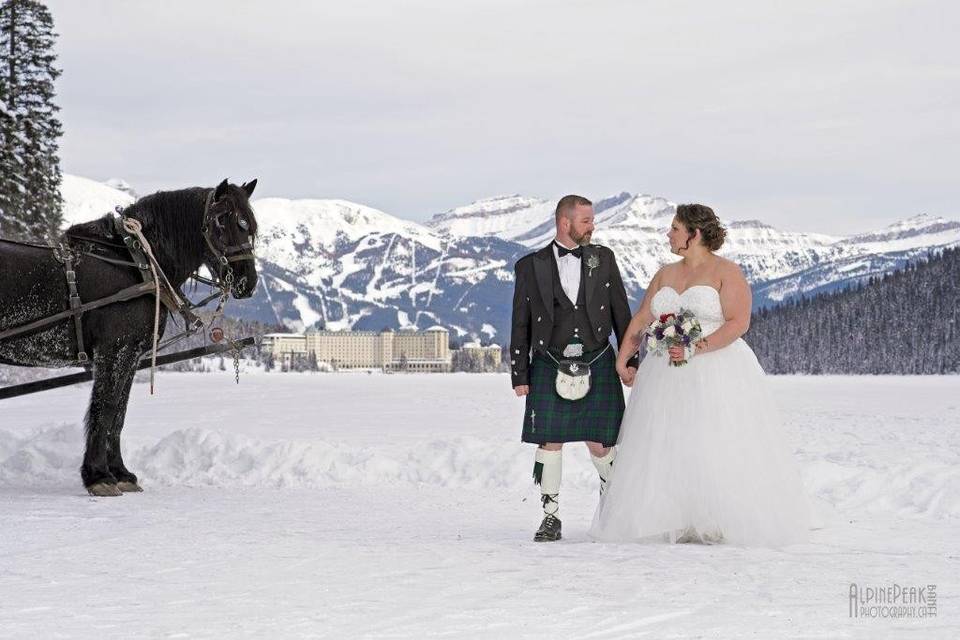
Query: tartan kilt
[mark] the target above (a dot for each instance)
(595, 417)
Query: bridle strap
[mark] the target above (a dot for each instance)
(230, 253)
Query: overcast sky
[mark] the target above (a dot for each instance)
(821, 116)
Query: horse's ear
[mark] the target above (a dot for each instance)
(249, 187)
(221, 191)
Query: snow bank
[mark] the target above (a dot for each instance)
(210, 458)
(47, 457)
(206, 458)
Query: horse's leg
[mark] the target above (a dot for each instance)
(113, 373)
(126, 481)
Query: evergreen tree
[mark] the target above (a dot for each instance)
(902, 323)
(30, 203)
(11, 168)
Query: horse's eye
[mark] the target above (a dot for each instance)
(243, 223)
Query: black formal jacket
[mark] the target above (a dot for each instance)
(605, 296)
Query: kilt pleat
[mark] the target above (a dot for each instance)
(595, 417)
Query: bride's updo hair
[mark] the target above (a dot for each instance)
(702, 217)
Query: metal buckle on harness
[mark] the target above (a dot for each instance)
(74, 295)
(191, 321)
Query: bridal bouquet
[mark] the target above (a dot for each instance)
(673, 329)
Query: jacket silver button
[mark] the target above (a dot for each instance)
(541, 343)
(538, 318)
(516, 350)
(607, 285)
(601, 307)
(513, 362)
(575, 307)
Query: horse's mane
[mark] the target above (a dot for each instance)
(171, 222)
(173, 219)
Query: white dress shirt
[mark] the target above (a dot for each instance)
(569, 267)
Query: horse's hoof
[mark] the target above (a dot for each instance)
(129, 487)
(104, 489)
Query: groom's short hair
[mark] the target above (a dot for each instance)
(568, 203)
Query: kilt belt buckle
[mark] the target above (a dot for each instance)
(573, 350)
(573, 376)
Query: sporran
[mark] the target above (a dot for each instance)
(573, 377)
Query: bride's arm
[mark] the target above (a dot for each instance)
(737, 302)
(640, 321)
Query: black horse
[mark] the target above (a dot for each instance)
(186, 229)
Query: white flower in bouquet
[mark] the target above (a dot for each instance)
(670, 331)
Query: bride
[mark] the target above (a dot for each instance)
(702, 455)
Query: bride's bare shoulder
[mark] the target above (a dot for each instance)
(663, 274)
(666, 269)
(727, 268)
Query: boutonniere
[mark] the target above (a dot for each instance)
(592, 263)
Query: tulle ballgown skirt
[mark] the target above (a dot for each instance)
(703, 457)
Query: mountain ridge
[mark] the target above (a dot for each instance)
(340, 264)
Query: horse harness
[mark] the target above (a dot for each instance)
(154, 279)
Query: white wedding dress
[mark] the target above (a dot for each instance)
(702, 455)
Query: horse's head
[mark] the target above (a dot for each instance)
(230, 229)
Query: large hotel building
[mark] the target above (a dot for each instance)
(388, 350)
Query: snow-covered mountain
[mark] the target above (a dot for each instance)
(507, 217)
(778, 263)
(634, 226)
(342, 265)
(857, 258)
(85, 199)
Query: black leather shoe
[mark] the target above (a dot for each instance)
(549, 530)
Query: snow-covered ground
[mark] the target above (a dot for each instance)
(376, 506)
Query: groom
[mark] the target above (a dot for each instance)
(567, 298)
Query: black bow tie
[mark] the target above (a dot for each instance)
(562, 251)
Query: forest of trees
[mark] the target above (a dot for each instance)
(907, 322)
(470, 362)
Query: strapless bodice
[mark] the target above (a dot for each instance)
(701, 299)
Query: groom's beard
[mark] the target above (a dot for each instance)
(583, 240)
